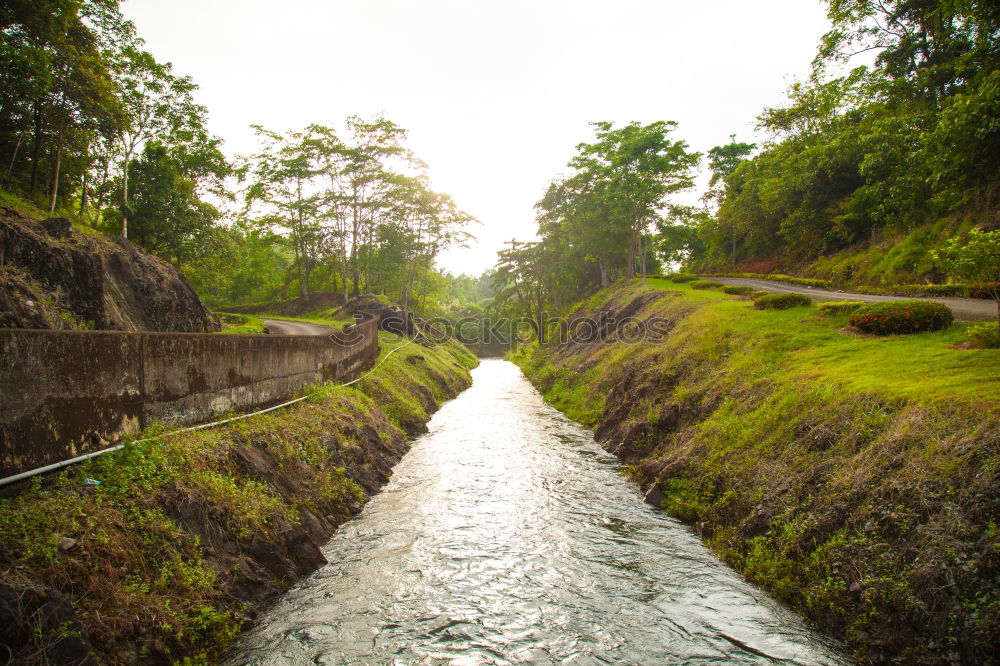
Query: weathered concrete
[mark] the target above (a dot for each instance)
(66, 393)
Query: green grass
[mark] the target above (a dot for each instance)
(240, 324)
(321, 317)
(27, 208)
(799, 344)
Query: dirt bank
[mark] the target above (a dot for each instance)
(857, 479)
(168, 549)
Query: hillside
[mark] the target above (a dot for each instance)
(853, 477)
(53, 275)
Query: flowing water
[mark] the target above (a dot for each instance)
(508, 536)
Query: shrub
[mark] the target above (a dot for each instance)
(738, 291)
(706, 284)
(833, 308)
(901, 317)
(781, 301)
(682, 277)
(985, 335)
(757, 293)
(984, 290)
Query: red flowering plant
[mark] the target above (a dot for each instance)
(897, 317)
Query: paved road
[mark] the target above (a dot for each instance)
(969, 309)
(283, 327)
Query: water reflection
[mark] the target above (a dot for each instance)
(508, 536)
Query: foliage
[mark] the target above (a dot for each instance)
(836, 308)
(706, 284)
(901, 317)
(977, 260)
(781, 301)
(737, 290)
(874, 151)
(682, 277)
(983, 336)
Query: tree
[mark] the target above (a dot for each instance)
(636, 167)
(977, 260)
(168, 215)
(723, 161)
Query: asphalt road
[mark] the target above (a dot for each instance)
(282, 327)
(968, 309)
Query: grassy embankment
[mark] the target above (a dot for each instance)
(856, 478)
(187, 536)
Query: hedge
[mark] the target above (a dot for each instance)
(809, 282)
(682, 277)
(738, 291)
(781, 301)
(833, 308)
(706, 284)
(901, 317)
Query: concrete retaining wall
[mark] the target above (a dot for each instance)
(66, 393)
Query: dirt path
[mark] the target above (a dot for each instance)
(283, 327)
(968, 309)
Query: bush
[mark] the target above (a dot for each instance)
(781, 301)
(986, 290)
(682, 277)
(985, 335)
(706, 284)
(757, 293)
(901, 317)
(833, 308)
(738, 291)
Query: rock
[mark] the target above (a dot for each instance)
(654, 495)
(66, 544)
(40, 626)
(855, 588)
(94, 280)
(869, 527)
(57, 227)
(305, 555)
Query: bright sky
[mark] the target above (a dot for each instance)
(495, 95)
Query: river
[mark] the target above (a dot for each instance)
(507, 535)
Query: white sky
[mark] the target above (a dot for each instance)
(495, 95)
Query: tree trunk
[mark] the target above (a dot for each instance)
(13, 157)
(55, 179)
(36, 150)
(734, 245)
(83, 193)
(125, 198)
(642, 258)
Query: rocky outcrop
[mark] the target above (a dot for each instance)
(52, 276)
